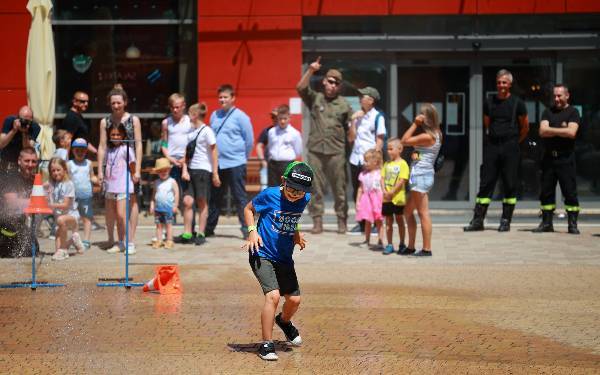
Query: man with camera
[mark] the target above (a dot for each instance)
(18, 132)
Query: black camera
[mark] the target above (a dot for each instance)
(25, 123)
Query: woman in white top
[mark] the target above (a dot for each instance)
(367, 131)
(117, 98)
(284, 146)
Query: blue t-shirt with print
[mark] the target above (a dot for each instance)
(277, 223)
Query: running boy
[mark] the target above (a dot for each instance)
(394, 175)
(271, 244)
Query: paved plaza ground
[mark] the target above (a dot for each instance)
(486, 302)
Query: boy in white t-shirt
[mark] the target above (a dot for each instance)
(82, 175)
(163, 204)
(284, 145)
(202, 172)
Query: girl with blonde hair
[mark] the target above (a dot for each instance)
(426, 137)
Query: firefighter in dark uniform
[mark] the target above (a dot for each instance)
(558, 130)
(506, 123)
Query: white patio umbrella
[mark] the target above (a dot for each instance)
(41, 72)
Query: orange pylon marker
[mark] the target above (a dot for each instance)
(165, 281)
(38, 204)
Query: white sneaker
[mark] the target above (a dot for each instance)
(115, 249)
(76, 238)
(60, 254)
(131, 249)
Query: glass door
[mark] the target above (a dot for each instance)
(447, 87)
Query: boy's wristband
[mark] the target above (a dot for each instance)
(251, 228)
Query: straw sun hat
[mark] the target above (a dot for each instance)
(161, 164)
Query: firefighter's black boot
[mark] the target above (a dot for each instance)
(572, 217)
(507, 214)
(476, 223)
(546, 224)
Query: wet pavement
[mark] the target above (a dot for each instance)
(485, 302)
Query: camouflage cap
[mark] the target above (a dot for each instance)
(370, 91)
(335, 74)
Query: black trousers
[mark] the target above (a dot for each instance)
(561, 169)
(500, 159)
(235, 179)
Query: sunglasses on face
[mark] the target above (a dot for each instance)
(83, 100)
(294, 192)
(333, 82)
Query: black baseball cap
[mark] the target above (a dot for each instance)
(299, 175)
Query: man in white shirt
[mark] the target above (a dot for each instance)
(367, 131)
(284, 146)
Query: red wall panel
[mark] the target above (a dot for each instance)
(583, 6)
(11, 100)
(260, 55)
(14, 30)
(13, 6)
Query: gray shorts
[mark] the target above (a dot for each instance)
(199, 184)
(272, 275)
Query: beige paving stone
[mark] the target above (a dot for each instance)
(485, 303)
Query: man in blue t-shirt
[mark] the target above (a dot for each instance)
(235, 138)
(271, 244)
(18, 132)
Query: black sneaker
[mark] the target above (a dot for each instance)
(406, 251)
(290, 332)
(267, 351)
(355, 231)
(199, 240)
(185, 241)
(422, 253)
(209, 233)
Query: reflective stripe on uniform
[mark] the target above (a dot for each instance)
(510, 200)
(7, 233)
(548, 207)
(572, 208)
(483, 200)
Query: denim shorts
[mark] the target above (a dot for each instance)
(84, 206)
(163, 217)
(116, 196)
(422, 183)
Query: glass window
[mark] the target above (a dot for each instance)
(447, 88)
(357, 74)
(149, 47)
(582, 76)
(149, 61)
(118, 9)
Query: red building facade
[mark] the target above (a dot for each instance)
(260, 47)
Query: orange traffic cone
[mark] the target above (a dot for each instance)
(38, 204)
(165, 281)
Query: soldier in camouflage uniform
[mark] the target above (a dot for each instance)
(330, 116)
